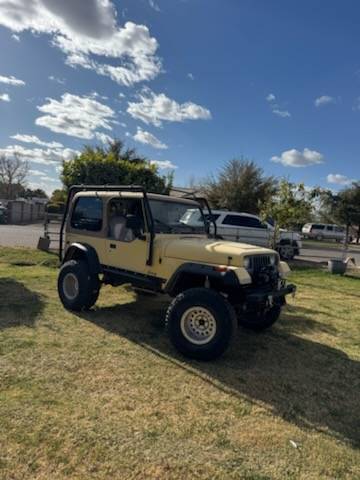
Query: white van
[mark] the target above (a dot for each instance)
(323, 231)
(248, 228)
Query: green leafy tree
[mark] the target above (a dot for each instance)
(31, 193)
(342, 207)
(58, 196)
(291, 207)
(240, 185)
(114, 165)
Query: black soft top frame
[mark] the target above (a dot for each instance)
(125, 188)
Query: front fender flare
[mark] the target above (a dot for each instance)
(227, 277)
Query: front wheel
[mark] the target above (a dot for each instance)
(201, 323)
(286, 252)
(261, 319)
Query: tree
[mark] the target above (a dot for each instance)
(58, 196)
(33, 193)
(291, 207)
(13, 172)
(241, 186)
(343, 207)
(113, 165)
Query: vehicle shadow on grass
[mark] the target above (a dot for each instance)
(305, 383)
(19, 306)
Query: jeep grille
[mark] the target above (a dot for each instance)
(257, 262)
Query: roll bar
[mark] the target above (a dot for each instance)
(193, 196)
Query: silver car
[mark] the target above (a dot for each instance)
(323, 231)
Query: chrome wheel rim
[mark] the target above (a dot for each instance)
(70, 286)
(198, 325)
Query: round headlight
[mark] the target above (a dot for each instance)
(246, 262)
(272, 260)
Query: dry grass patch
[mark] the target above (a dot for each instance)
(103, 394)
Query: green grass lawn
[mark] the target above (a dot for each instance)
(103, 395)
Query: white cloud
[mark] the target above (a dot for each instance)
(163, 164)
(37, 173)
(86, 31)
(357, 104)
(39, 155)
(103, 137)
(295, 158)
(15, 37)
(154, 5)
(338, 179)
(61, 81)
(155, 108)
(191, 76)
(5, 97)
(275, 108)
(149, 139)
(281, 113)
(324, 100)
(12, 81)
(75, 116)
(36, 141)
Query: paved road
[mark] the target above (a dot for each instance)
(28, 236)
(20, 235)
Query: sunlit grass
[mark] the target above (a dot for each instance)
(104, 395)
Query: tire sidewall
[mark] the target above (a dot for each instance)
(80, 269)
(220, 310)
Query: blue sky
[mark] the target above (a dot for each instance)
(189, 83)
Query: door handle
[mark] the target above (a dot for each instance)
(112, 245)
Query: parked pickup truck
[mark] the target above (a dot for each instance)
(248, 228)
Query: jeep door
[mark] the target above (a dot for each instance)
(126, 248)
(85, 223)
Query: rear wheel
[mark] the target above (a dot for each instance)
(77, 288)
(261, 319)
(201, 323)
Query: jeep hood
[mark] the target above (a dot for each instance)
(210, 251)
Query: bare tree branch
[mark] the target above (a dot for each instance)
(13, 173)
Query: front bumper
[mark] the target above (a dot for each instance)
(264, 296)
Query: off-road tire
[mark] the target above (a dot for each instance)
(284, 250)
(88, 286)
(220, 310)
(259, 321)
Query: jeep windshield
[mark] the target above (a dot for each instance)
(172, 217)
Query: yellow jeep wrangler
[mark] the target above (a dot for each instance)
(123, 235)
